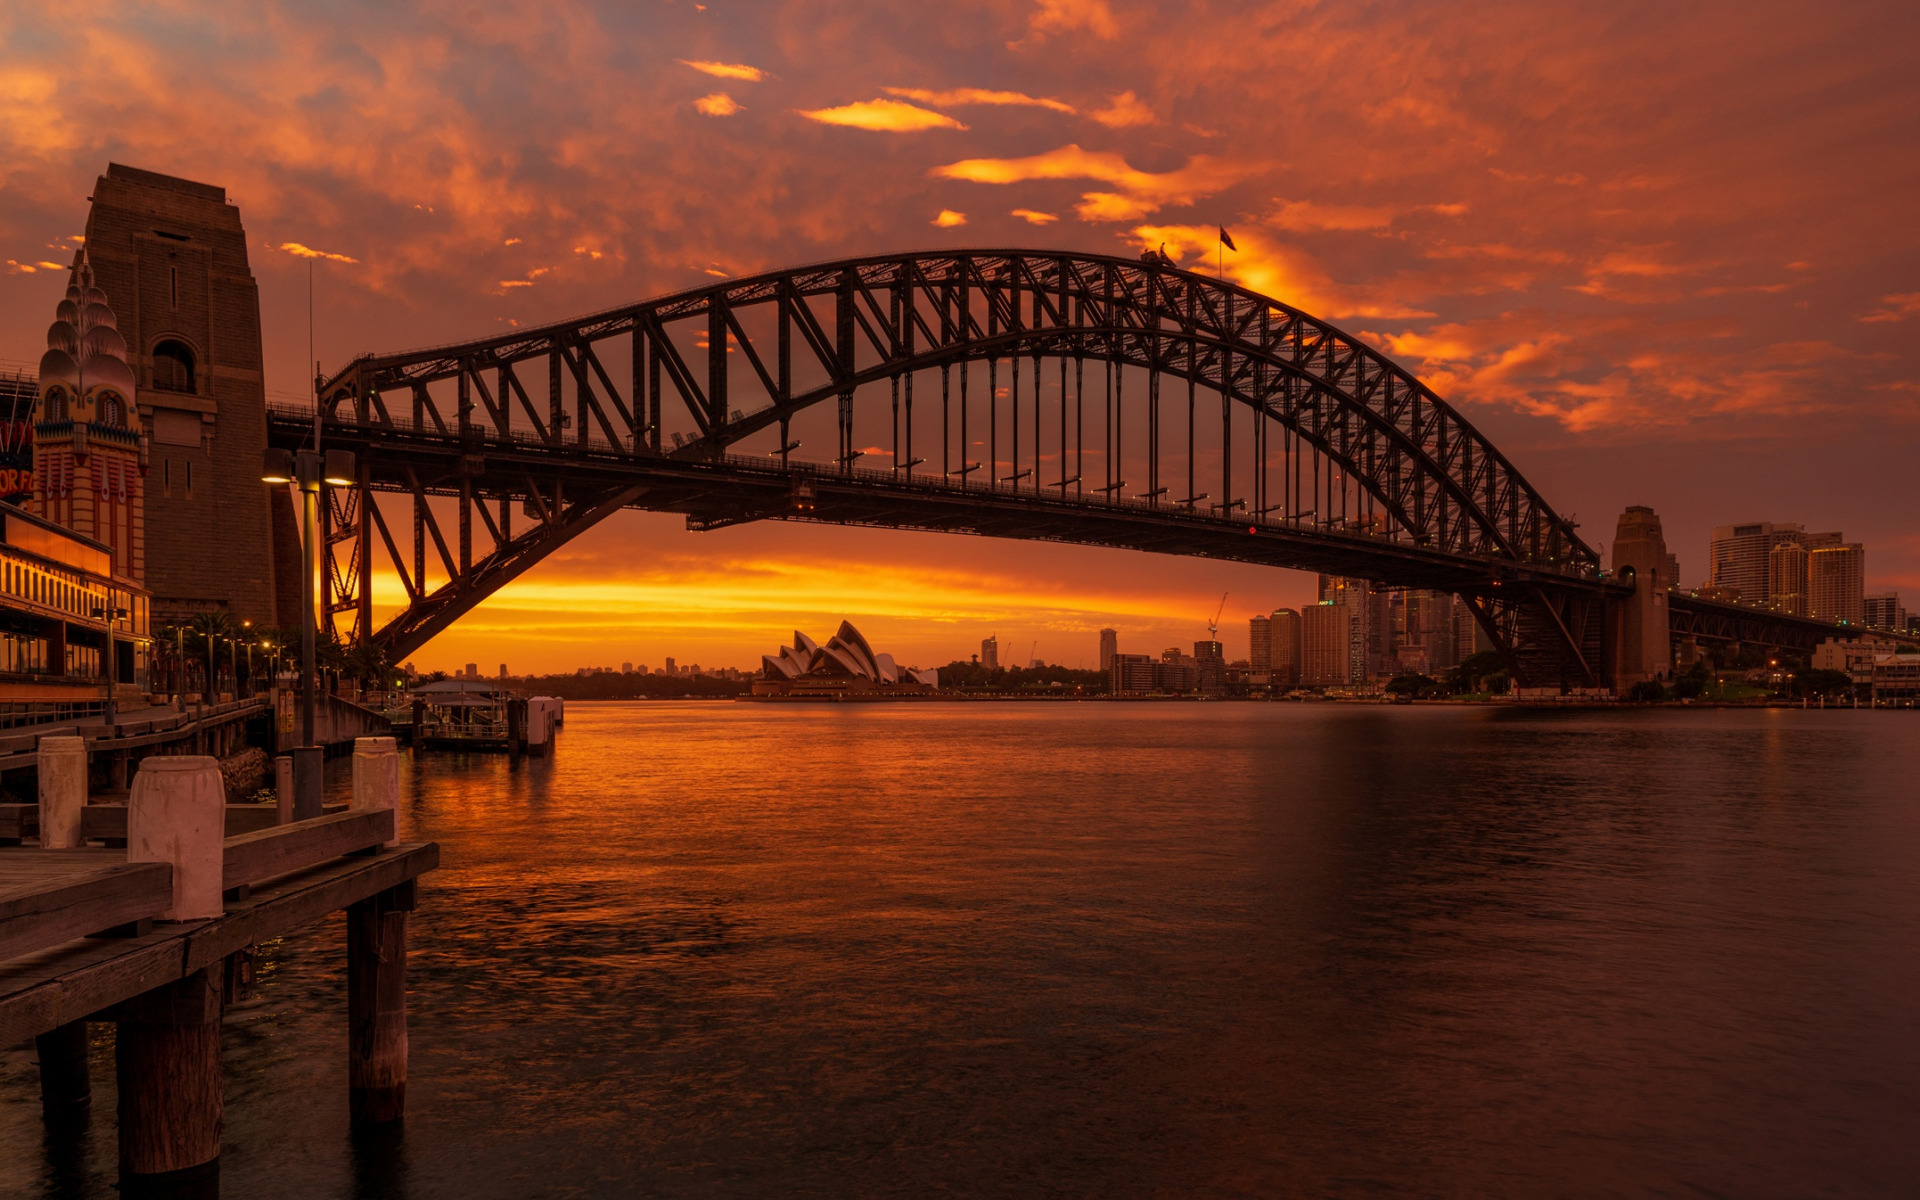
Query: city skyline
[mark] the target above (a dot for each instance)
(1678, 289)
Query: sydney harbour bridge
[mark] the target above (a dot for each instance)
(1025, 394)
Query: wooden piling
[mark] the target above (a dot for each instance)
(377, 1005)
(65, 1085)
(167, 1062)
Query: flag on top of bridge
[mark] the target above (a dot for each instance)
(1226, 240)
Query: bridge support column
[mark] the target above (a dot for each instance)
(377, 1005)
(1639, 631)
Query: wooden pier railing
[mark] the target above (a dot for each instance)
(157, 938)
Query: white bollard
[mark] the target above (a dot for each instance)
(63, 791)
(177, 813)
(283, 789)
(376, 775)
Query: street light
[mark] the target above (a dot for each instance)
(308, 469)
(110, 613)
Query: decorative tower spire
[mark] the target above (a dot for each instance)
(88, 442)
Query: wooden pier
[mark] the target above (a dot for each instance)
(157, 938)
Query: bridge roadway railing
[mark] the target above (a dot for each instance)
(291, 426)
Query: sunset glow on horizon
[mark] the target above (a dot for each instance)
(1650, 264)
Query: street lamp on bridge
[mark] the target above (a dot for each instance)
(309, 469)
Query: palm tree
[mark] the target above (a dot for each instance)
(210, 627)
(368, 663)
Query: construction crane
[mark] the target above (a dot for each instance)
(1213, 626)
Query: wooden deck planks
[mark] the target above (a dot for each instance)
(41, 991)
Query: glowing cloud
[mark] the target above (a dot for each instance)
(1897, 307)
(1271, 269)
(1065, 16)
(949, 218)
(1123, 112)
(959, 96)
(882, 116)
(1304, 216)
(1140, 192)
(719, 104)
(1035, 218)
(720, 70)
(299, 251)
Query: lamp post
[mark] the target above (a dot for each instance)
(308, 469)
(109, 613)
(180, 666)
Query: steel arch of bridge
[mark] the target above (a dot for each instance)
(1433, 499)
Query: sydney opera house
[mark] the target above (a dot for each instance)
(842, 666)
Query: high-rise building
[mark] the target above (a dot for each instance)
(1109, 646)
(473, 671)
(1328, 632)
(1372, 628)
(1283, 663)
(1836, 583)
(171, 256)
(990, 652)
(503, 670)
(1787, 578)
(1131, 674)
(670, 669)
(1739, 553)
(1885, 611)
(1210, 667)
(1260, 644)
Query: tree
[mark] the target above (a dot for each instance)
(1412, 683)
(1692, 683)
(1647, 691)
(1482, 672)
(1816, 682)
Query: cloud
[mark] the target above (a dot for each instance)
(49, 266)
(1066, 16)
(954, 97)
(1124, 111)
(1304, 216)
(1140, 192)
(949, 218)
(883, 116)
(299, 251)
(719, 104)
(720, 70)
(1897, 307)
(1035, 218)
(1270, 268)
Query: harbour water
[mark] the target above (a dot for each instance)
(1116, 950)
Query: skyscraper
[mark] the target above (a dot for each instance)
(1260, 644)
(1210, 667)
(1787, 578)
(1836, 583)
(1328, 632)
(1371, 629)
(1109, 646)
(990, 652)
(1885, 611)
(1283, 664)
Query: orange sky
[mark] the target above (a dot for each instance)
(1660, 254)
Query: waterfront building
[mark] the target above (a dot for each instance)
(170, 255)
(842, 665)
(1260, 644)
(1738, 557)
(1109, 646)
(60, 601)
(1131, 675)
(1896, 679)
(1855, 658)
(1176, 672)
(990, 652)
(1283, 661)
(1328, 632)
(1885, 611)
(1836, 583)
